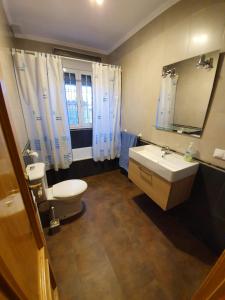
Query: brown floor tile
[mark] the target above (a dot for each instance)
(125, 247)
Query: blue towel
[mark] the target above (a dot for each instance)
(128, 140)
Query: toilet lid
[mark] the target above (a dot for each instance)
(69, 188)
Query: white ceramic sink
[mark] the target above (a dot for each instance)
(171, 167)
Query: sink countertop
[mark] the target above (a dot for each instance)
(171, 167)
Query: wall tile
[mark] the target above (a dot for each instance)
(167, 39)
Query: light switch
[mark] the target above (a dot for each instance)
(219, 153)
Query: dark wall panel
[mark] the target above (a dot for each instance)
(81, 138)
(205, 212)
(80, 169)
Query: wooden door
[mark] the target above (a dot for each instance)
(213, 287)
(25, 272)
(18, 251)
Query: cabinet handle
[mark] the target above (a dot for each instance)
(145, 171)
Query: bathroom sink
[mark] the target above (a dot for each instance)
(35, 171)
(171, 167)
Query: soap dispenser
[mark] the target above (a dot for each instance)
(188, 155)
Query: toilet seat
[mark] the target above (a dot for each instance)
(68, 188)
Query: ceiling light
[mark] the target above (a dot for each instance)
(99, 2)
(200, 39)
(204, 63)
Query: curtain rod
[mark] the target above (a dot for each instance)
(66, 57)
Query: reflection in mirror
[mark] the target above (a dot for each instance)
(186, 88)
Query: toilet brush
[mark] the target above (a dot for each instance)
(54, 222)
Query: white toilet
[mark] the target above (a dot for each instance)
(65, 196)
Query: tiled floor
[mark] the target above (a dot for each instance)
(126, 247)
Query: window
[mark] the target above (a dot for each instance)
(78, 86)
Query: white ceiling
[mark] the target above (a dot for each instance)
(82, 23)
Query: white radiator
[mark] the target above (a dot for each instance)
(82, 153)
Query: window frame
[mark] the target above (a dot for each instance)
(78, 74)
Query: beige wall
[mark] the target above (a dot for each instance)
(48, 48)
(9, 84)
(193, 92)
(167, 39)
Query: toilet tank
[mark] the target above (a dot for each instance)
(36, 174)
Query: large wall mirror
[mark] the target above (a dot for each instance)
(186, 88)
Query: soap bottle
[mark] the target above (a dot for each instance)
(188, 155)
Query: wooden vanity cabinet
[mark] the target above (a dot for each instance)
(165, 194)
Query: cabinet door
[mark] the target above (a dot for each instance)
(155, 187)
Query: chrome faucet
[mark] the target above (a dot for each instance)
(165, 150)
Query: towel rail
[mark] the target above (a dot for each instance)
(138, 135)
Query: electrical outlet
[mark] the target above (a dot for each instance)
(219, 153)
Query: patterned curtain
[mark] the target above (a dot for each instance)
(166, 104)
(106, 111)
(41, 89)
